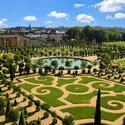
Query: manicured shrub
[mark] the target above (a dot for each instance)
(45, 106)
(37, 103)
(46, 115)
(30, 103)
(76, 67)
(68, 120)
(61, 68)
(37, 108)
(54, 121)
(13, 115)
(53, 113)
(30, 97)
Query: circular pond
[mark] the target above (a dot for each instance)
(62, 62)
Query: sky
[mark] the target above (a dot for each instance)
(53, 13)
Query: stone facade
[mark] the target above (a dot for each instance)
(13, 40)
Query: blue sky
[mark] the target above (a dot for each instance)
(53, 13)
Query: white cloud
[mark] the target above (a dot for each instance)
(78, 5)
(57, 15)
(83, 18)
(120, 16)
(116, 16)
(4, 19)
(48, 22)
(108, 17)
(30, 18)
(2, 22)
(110, 5)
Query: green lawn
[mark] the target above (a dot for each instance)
(116, 88)
(65, 81)
(27, 86)
(77, 88)
(86, 79)
(41, 80)
(121, 43)
(52, 97)
(82, 98)
(118, 106)
(89, 112)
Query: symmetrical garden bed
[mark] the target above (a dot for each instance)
(77, 96)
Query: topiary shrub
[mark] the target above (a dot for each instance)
(54, 121)
(45, 106)
(30, 97)
(37, 103)
(37, 108)
(46, 115)
(13, 115)
(30, 103)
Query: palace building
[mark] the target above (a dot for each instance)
(9, 40)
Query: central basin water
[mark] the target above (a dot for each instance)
(61, 62)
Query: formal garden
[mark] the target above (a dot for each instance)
(62, 84)
(77, 96)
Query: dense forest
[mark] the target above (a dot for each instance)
(94, 34)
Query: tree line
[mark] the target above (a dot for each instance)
(93, 34)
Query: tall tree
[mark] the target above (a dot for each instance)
(12, 71)
(98, 110)
(8, 107)
(22, 121)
